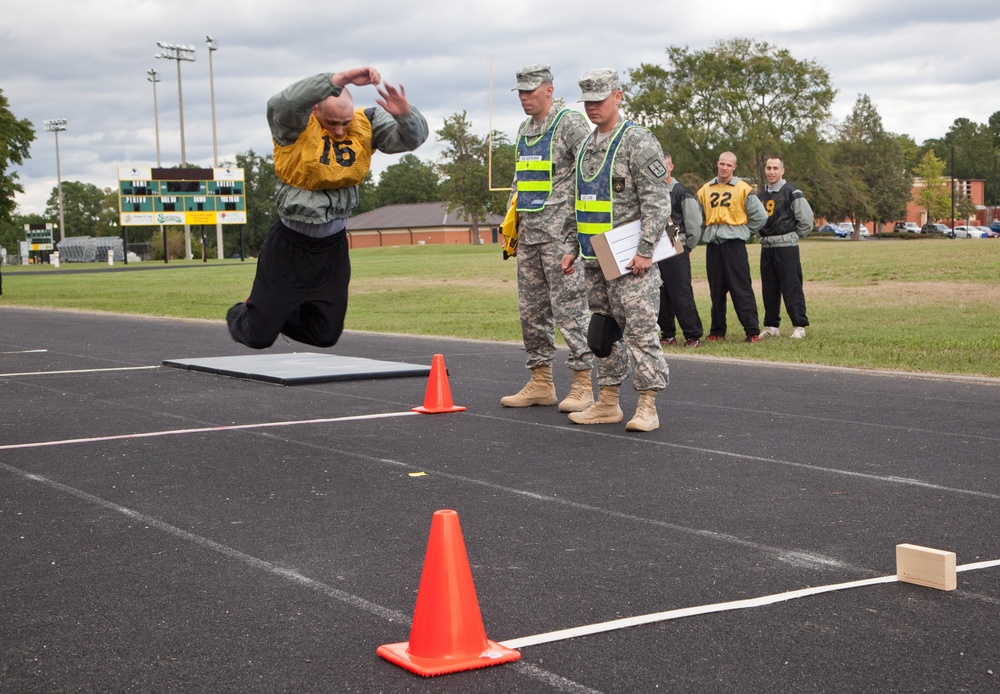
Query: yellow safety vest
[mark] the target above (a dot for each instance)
(594, 199)
(533, 169)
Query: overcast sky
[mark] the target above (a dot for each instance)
(924, 63)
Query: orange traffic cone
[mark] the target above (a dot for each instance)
(438, 396)
(447, 634)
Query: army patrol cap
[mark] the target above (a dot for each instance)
(532, 77)
(599, 84)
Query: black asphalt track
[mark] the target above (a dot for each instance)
(277, 559)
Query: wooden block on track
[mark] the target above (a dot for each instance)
(924, 566)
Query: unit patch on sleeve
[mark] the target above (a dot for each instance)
(656, 167)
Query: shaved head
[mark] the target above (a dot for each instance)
(335, 113)
(725, 166)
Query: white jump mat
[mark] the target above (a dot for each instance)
(299, 368)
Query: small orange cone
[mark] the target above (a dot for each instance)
(438, 396)
(447, 634)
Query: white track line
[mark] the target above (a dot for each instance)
(79, 371)
(746, 456)
(626, 622)
(978, 565)
(25, 351)
(551, 679)
(548, 637)
(227, 427)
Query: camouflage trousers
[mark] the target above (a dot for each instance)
(548, 298)
(634, 302)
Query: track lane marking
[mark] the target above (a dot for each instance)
(617, 624)
(891, 479)
(200, 430)
(558, 682)
(79, 371)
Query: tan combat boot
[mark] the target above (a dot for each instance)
(580, 394)
(645, 418)
(539, 390)
(604, 410)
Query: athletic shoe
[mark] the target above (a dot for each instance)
(714, 338)
(668, 341)
(770, 331)
(799, 333)
(752, 338)
(692, 343)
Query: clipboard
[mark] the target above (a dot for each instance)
(616, 247)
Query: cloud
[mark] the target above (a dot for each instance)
(923, 64)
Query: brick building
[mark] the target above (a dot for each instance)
(417, 224)
(974, 189)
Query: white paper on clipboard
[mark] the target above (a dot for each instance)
(616, 247)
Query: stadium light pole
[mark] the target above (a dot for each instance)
(212, 48)
(56, 125)
(156, 111)
(180, 53)
(156, 119)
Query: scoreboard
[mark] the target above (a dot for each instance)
(148, 197)
(39, 237)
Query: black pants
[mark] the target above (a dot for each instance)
(728, 268)
(300, 289)
(781, 278)
(677, 298)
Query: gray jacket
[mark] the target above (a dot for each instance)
(288, 114)
(692, 217)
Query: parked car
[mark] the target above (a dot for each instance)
(911, 227)
(847, 229)
(989, 233)
(933, 228)
(995, 226)
(826, 229)
(961, 231)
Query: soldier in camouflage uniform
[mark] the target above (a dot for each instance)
(547, 143)
(621, 178)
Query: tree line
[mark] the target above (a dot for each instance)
(741, 95)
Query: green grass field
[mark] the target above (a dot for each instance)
(928, 306)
